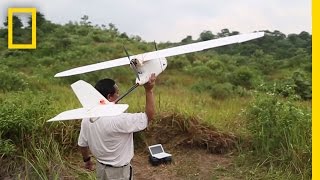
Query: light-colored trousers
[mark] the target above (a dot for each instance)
(113, 173)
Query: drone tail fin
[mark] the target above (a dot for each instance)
(87, 94)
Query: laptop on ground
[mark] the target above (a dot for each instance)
(158, 152)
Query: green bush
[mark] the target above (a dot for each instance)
(178, 62)
(11, 80)
(21, 113)
(302, 85)
(221, 90)
(281, 133)
(202, 86)
(216, 90)
(242, 77)
(241, 91)
(284, 87)
(216, 66)
(200, 70)
(297, 86)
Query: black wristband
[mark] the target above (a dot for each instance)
(86, 159)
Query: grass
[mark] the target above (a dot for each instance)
(224, 114)
(53, 145)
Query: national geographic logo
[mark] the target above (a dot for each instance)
(33, 44)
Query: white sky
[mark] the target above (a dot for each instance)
(173, 20)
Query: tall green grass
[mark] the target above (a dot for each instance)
(280, 129)
(224, 114)
(281, 132)
(30, 147)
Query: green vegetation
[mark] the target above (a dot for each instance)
(281, 133)
(259, 91)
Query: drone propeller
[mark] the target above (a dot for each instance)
(132, 64)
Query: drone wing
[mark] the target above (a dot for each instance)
(94, 67)
(194, 47)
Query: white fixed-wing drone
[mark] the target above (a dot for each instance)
(143, 64)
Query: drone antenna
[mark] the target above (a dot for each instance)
(155, 45)
(125, 94)
(125, 50)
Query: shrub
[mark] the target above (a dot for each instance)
(242, 77)
(302, 85)
(202, 86)
(221, 90)
(283, 87)
(99, 37)
(11, 80)
(216, 66)
(281, 133)
(21, 113)
(200, 71)
(178, 63)
(241, 91)
(298, 86)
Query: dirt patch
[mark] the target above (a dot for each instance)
(189, 131)
(186, 164)
(198, 150)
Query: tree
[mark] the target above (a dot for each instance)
(278, 34)
(43, 25)
(136, 38)
(40, 20)
(234, 33)
(85, 21)
(112, 27)
(16, 22)
(224, 33)
(16, 28)
(187, 40)
(206, 35)
(124, 35)
(305, 36)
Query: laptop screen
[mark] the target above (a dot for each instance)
(156, 149)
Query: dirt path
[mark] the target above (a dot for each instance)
(187, 164)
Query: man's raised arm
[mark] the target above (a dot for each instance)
(150, 106)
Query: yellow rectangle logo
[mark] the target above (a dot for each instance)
(33, 12)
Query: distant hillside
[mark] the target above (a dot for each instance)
(276, 56)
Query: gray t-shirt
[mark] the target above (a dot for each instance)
(110, 139)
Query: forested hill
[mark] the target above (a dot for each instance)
(276, 56)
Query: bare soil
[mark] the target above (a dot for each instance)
(186, 164)
(199, 151)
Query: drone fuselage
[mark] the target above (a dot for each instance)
(145, 69)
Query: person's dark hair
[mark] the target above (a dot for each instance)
(106, 87)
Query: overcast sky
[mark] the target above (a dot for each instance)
(173, 20)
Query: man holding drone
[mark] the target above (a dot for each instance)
(105, 129)
(110, 139)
